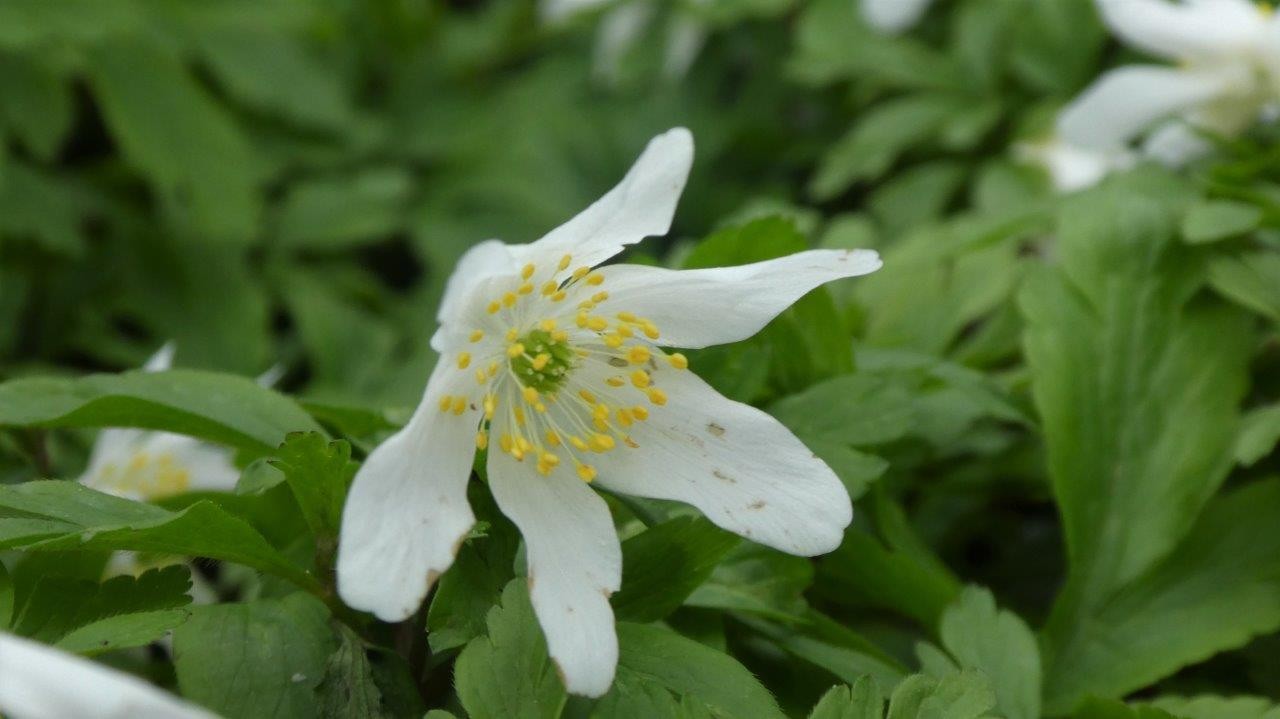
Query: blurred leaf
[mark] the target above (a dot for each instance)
(1259, 432)
(219, 408)
(1057, 45)
(1213, 220)
(36, 205)
(169, 128)
(917, 195)
(38, 102)
(1211, 707)
(333, 213)
(756, 579)
(25, 23)
(862, 700)
(999, 644)
(665, 563)
(1250, 279)
(507, 674)
(256, 659)
(63, 516)
(1094, 708)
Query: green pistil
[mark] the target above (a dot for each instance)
(553, 374)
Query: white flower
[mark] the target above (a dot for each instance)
(893, 16)
(1073, 168)
(624, 25)
(559, 367)
(1229, 72)
(40, 682)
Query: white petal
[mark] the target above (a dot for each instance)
(739, 466)
(484, 260)
(407, 510)
(40, 682)
(685, 38)
(1123, 102)
(1073, 168)
(698, 308)
(1196, 29)
(616, 35)
(640, 206)
(575, 563)
(161, 360)
(554, 11)
(1174, 144)
(893, 16)
(210, 466)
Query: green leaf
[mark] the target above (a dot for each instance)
(318, 472)
(655, 656)
(220, 408)
(824, 642)
(335, 213)
(665, 563)
(60, 516)
(1250, 279)
(42, 207)
(257, 659)
(1213, 220)
(762, 239)
(348, 689)
(756, 579)
(6, 597)
(25, 23)
(89, 617)
(38, 103)
(1212, 707)
(125, 631)
(1094, 708)
(507, 673)
(1137, 386)
(1215, 592)
(172, 130)
(960, 695)
(1259, 433)
(857, 409)
(861, 700)
(999, 644)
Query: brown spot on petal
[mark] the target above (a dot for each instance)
(715, 429)
(721, 475)
(756, 505)
(618, 362)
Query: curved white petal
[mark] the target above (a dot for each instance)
(1123, 102)
(161, 360)
(40, 682)
(618, 32)
(1198, 28)
(640, 206)
(407, 510)
(1073, 168)
(484, 260)
(685, 38)
(575, 563)
(698, 308)
(893, 16)
(739, 466)
(1174, 144)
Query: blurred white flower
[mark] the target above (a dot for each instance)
(1228, 73)
(893, 16)
(560, 367)
(40, 682)
(624, 25)
(1072, 168)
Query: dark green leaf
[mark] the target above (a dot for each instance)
(665, 563)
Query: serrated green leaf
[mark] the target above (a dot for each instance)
(261, 659)
(961, 695)
(665, 563)
(861, 700)
(318, 472)
(220, 408)
(348, 690)
(999, 644)
(124, 631)
(56, 605)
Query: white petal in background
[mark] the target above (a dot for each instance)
(40, 682)
(640, 206)
(893, 16)
(1122, 103)
(1186, 30)
(575, 563)
(699, 308)
(407, 510)
(739, 466)
(1073, 168)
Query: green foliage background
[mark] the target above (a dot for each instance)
(1058, 416)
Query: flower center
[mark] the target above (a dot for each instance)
(144, 477)
(573, 375)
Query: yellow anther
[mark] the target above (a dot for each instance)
(657, 396)
(624, 417)
(553, 439)
(613, 339)
(650, 329)
(517, 453)
(586, 472)
(445, 403)
(477, 335)
(523, 443)
(482, 439)
(490, 405)
(577, 442)
(600, 410)
(595, 280)
(547, 325)
(512, 334)
(527, 272)
(493, 307)
(480, 376)
(626, 317)
(638, 354)
(641, 412)
(559, 296)
(515, 350)
(601, 423)
(679, 361)
(519, 414)
(624, 331)
(492, 370)
(459, 404)
(464, 360)
(581, 320)
(559, 336)
(630, 442)
(530, 395)
(586, 395)
(540, 361)
(615, 381)
(525, 288)
(539, 407)
(581, 272)
(506, 443)
(586, 305)
(599, 297)
(544, 469)
(601, 442)
(640, 378)
(509, 299)
(564, 262)
(550, 288)
(549, 458)
(597, 323)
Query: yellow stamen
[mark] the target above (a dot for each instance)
(601, 442)
(477, 335)
(550, 288)
(515, 350)
(527, 272)
(613, 339)
(547, 325)
(459, 404)
(530, 395)
(525, 288)
(599, 297)
(482, 440)
(564, 262)
(553, 439)
(464, 360)
(586, 472)
(559, 296)
(581, 272)
(679, 361)
(640, 378)
(493, 307)
(445, 403)
(586, 395)
(641, 412)
(577, 442)
(595, 280)
(597, 323)
(638, 354)
(615, 381)
(626, 317)
(540, 361)
(509, 299)
(657, 396)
